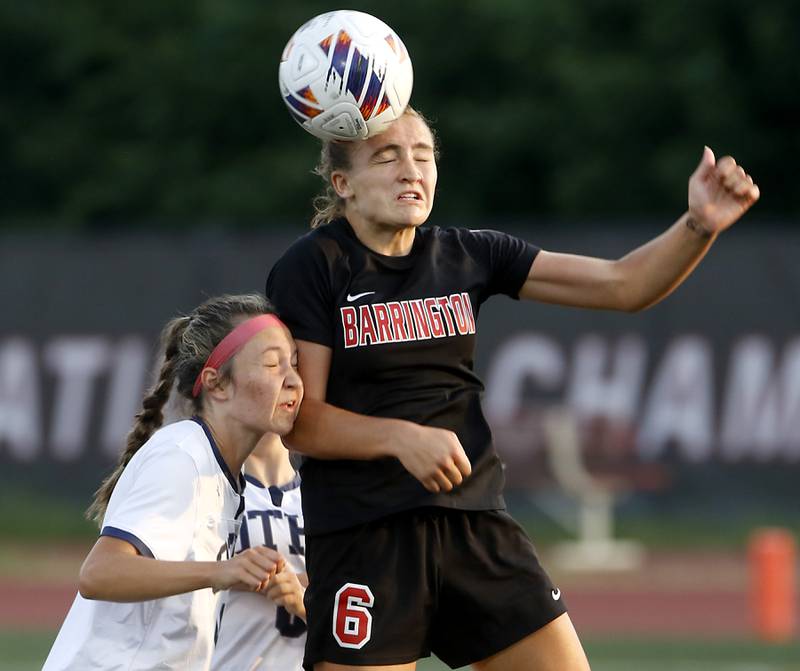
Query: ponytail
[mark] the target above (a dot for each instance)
(187, 342)
(148, 420)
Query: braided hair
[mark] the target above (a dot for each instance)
(187, 343)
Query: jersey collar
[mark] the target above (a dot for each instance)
(292, 484)
(391, 262)
(238, 487)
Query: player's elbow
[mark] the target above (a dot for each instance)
(87, 589)
(635, 299)
(293, 441)
(636, 306)
(627, 294)
(90, 584)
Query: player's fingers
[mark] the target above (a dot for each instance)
(264, 577)
(250, 582)
(462, 463)
(267, 581)
(268, 554)
(431, 485)
(732, 179)
(278, 589)
(743, 188)
(266, 558)
(706, 164)
(281, 579)
(452, 473)
(260, 583)
(256, 564)
(725, 166)
(249, 579)
(442, 480)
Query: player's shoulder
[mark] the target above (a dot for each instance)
(460, 233)
(323, 241)
(467, 239)
(176, 446)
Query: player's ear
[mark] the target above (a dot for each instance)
(215, 385)
(341, 184)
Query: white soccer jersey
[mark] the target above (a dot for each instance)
(176, 500)
(254, 633)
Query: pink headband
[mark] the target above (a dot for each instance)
(232, 343)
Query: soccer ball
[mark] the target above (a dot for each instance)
(345, 75)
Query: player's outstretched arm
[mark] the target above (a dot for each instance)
(720, 192)
(434, 456)
(114, 571)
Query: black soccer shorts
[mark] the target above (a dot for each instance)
(461, 584)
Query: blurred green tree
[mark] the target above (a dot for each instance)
(167, 113)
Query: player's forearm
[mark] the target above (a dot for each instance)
(129, 578)
(324, 431)
(653, 271)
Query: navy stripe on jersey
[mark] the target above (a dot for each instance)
(276, 491)
(294, 483)
(237, 487)
(141, 548)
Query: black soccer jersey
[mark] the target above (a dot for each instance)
(402, 333)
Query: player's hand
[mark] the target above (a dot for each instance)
(250, 570)
(433, 456)
(719, 193)
(286, 590)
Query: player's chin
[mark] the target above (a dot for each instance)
(412, 216)
(283, 420)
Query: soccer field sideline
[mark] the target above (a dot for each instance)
(624, 628)
(26, 651)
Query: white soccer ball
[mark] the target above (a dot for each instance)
(345, 75)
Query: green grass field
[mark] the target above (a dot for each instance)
(27, 651)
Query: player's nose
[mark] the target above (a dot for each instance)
(293, 380)
(409, 170)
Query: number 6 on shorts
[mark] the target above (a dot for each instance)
(352, 621)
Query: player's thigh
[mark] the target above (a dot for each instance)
(554, 647)
(494, 592)
(329, 666)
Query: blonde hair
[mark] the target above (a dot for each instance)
(187, 343)
(335, 155)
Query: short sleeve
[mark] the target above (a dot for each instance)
(299, 286)
(507, 258)
(154, 504)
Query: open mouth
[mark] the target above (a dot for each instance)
(288, 405)
(410, 196)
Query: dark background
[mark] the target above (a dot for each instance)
(147, 161)
(166, 114)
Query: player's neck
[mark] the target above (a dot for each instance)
(386, 239)
(233, 441)
(269, 462)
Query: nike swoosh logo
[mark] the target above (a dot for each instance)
(355, 297)
(556, 594)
